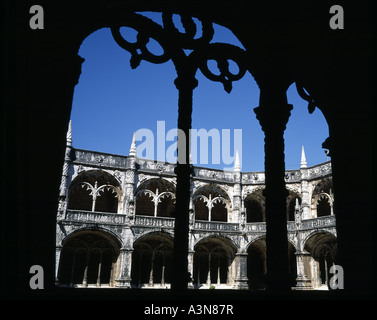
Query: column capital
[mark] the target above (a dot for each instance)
(273, 117)
(186, 82)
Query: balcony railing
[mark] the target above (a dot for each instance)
(216, 226)
(256, 227)
(95, 217)
(321, 222)
(146, 221)
(165, 222)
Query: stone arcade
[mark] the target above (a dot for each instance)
(115, 224)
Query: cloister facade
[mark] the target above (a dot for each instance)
(115, 224)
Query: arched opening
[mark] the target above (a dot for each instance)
(80, 197)
(155, 197)
(107, 200)
(88, 258)
(323, 206)
(256, 264)
(201, 209)
(166, 206)
(291, 206)
(219, 211)
(152, 261)
(210, 217)
(254, 210)
(213, 258)
(299, 132)
(95, 191)
(322, 247)
(144, 204)
(211, 203)
(323, 198)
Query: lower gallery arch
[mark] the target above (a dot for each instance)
(256, 264)
(213, 265)
(322, 247)
(152, 261)
(88, 258)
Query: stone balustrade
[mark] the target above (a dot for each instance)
(165, 222)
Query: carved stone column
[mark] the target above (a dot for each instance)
(303, 280)
(58, 251)
(273, 114)
(241, 281)
(237, 199)
(125, 258)
(191, 267)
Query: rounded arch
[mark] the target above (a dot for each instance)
(323, 198)
(211, 203)
(254, 203)
(256, 263)
(156, 183)
(152, 260)
(95, 190)
(114, 238)
(291, 204)
(316, 235)
(213, 258)
(322, 247)
(155, 197)
(88, 258)
(225, 241)
(254, 207)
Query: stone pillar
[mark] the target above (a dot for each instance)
(209, 270)
(151, 284)
(98, 283)
(125, 258)
(237, 205)
(241, 281)
(303, 281)
(185, 84)
(302, 257)
(190, 259)
(163, 269)
(58, 251)
(85, 277)
(273, 114)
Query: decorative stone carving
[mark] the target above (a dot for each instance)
(127, 227)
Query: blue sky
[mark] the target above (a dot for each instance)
(111, 101)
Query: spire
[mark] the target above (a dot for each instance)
(303, 158)
(69, 134)
(237, 165)
(132, 152)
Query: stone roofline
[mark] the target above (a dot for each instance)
(121, 162)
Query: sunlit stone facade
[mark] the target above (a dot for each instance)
(115, 224)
